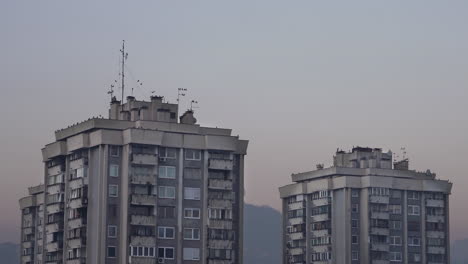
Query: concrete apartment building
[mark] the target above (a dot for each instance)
(139, 187)
(364, 210)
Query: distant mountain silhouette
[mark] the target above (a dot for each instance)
(9, 253)
(460, 252)
(262, 235)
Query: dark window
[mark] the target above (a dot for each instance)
(111, 252)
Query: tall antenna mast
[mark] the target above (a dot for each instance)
(124, 57)
(180, 92)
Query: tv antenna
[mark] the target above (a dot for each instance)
(124, 58)
(193, 102)
(111, 91)
(180, 92)
(403, 149)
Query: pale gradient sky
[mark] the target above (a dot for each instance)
(297, 78)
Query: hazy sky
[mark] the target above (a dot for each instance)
(297, 78)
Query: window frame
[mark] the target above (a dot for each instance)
(116, 190)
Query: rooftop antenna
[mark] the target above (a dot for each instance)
(124, 58)
(403, 149)
(192, 103)
(111, 91)
(180, 92)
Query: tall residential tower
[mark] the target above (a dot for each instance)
(364, 209)
(139, 187)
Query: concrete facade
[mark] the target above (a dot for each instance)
(364, 209)
(139, 187)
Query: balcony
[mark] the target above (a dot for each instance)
(78, 183)
(28, 244)
(78, 203)
(145, 159)
(322, 201)
(380, 247)
(54, 227)
(78, 242)
(220, 164)
(320, 233)
(81, 260)
(435, 234)
(380, 215)
(143, 220)
(435, 250)
(219, 224)
(76, 223)
(321, 217)
(54, 246)
(26, 259)
(220, 184)
(435, 218)
(220, 244)
(143, 199)
(219, 203)
(296, 221)
(295, 206)
(142, 260)
(296, 251)
(56, 188)
(28, 230)
(146, 179)
(296, 236)
(379, 199)
(145, 241)
(379, 231)
(434, 203)
(55, 208)
(380, 261)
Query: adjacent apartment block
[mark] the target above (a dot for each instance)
(364, 209)
(139, 187)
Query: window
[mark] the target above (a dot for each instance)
(192, 154)
(114, 151)
(191, 234)
(166, 212)
(378, 191)
(355, 193)
(394, 208)
(395, 225)
(165, 232)
(219, 213)
(354, 223)
(413, 196)
(355, 208)
(396, 194)
(191, 254)
(413, 209)
(167, 192)
(395, 240)
(191, 193)
(395, 256)
(168, 153)
(112, 231)
(113, 190)
(354, 239)
(355, 255)
(114, 170)
(167, 172)
(141, 251)
(416, 258)
(111, 252)
(166, 252)
(414, 241)
(192, 173)
(192, 213)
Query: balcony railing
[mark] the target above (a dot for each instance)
(143, 220)
(220, 164)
